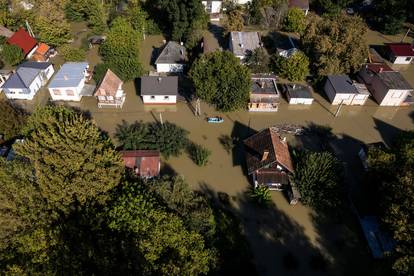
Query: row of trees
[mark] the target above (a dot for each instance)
(68, 206)
(392, 170)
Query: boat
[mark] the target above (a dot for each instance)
(216, 120)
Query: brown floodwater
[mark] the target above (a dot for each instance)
(284, 228)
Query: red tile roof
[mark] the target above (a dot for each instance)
(145, 163)
(22, 39)
(268, 140)
(401, 49)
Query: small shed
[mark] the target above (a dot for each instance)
(159, 90)
(400, 53)
(144, 163)
(298, 93)
(341, 90)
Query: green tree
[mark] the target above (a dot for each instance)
(295, 21)
(318, 176)
(12, 54)
(258, 61)
(294, 68)
(221, 80)
(13, 119)
(199, 154)
(92, 11)
(120, 51)
(391, 15)
(158, 234)
(70, 53)
(168, 138)
(335, 45)
(133, 136)
(234, 21)
(73, 162)
(180, 17)
(261, 195)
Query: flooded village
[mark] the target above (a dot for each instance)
(283, 233)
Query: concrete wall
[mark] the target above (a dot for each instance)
(212, 6)
(159, 99)
(172, 68)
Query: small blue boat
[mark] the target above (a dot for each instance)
(215, 120)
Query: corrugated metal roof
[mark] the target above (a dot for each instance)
(69, 75)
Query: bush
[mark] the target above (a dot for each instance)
(295, 21)
(133, 136)
(12, 119)
(261, 196)
(199, 154)
(12, 54)
(70, 53)
(168, 138)
(294, 68)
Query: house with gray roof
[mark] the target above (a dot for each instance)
(340, 89)
(159, 90)
(69, 82)
(297, 93)
(27, 80)
(387, 87)
(172, 58)
(241, 44)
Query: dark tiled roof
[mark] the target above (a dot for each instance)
(267, 176)
(172, 53)
(394, 80)
(267, 140)
(295, 90)
(342, 84)
(153, 85)
(35, 65)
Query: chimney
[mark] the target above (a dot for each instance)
(284, 139)
(265, 155)
(181, 43)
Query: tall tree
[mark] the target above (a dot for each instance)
(295, 21)
(73, 162)
(293, 68)
(391, 14)
(13, 119)
(258, 61)
(335, 45)
(234, 21)
(221, 80)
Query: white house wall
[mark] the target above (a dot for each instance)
(170, 68)
(215, 6)
(159, 99)
(402, 60)
(305, 101)
(63, 93)
(394, 97)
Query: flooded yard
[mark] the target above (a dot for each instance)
(284, 230)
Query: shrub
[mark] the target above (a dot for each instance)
(294, 68)
(70, 53)
(261, 196)
(199, 154)
(168, 138)
(12, 54)
(295, 21)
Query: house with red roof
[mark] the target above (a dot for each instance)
(23, 40)
(400, 53)
(144, 163)
(268, 159)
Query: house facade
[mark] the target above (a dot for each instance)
(27, 80)
(264, 95)
(340, 89)
(298, 93)
(143, 163)
(157, 90)
(109, 91)
(172, 58)
(387, 87)
(69, 81)
(400, 53)
(242, 44)
(24, 41)
(268, 159)
(213, 8)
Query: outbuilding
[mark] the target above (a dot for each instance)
(298, 94)
(400, 53)
(340, 89)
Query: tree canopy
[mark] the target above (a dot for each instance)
(92, 11)
(70, 53)
(294, 68)
(234, 21)
(221, 80)
(318, 176)
(180, 17)
(120, 51)
(335, 45)
(73, 162)
(295, 21)
(390, 15)
(13, 119)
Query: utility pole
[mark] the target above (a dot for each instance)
(408, 31)
(198, 108)
(161, 119)
(339, 108)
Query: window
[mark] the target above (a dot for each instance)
(110, 98)
(70, 92)
(101, 98)
(57, 92)
(408, 59)
(152, 97)
(166, 97)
